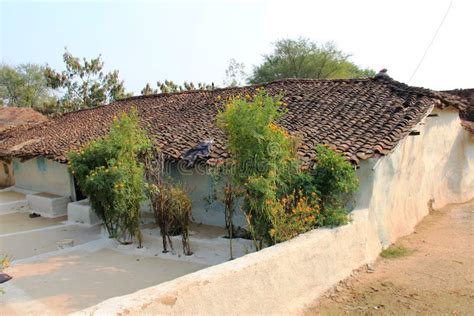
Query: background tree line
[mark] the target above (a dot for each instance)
(85, 84)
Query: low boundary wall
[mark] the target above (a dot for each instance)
(286, 275)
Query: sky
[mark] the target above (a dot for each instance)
(194, 40)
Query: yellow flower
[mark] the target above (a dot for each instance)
(272, 232)
(5, 263)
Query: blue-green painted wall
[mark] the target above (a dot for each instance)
(42, 175)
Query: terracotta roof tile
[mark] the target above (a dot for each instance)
(467, 115)
(359, 117)
(12, 117)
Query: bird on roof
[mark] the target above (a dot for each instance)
(382, 74)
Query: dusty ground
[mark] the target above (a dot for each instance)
(436, 278)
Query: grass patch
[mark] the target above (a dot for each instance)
(393, 252)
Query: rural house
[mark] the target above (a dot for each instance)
(413, 147)
(14, 117)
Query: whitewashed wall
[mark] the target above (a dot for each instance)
(435, 167)
(201, 185)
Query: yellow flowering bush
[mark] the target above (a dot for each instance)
(263, 156)
(280, 200)
(293, 215)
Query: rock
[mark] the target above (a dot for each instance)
(370, 268)
(386, 284)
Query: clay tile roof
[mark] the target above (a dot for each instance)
(358, 117)
(14, 117)
(467, 115)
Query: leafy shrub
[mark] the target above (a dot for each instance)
(172, 210)
(180, 210)
(336, 181)
(107, 172)
(280, 200)
(263, 156)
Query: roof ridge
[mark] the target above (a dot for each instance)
(256, 85)
(385, 80)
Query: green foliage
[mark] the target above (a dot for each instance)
(25, 86)
(293, 215)
(335, 181)
(168, 86)
(280, 200)
(303, 58)
(107, 171)
(227, 194)
(263, 155)
(394, 252)
(85, 83)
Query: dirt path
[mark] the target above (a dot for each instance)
(436, 277)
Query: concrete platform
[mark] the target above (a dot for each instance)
(70, 282)
(12, 201)
(81, 212)
(48, 204)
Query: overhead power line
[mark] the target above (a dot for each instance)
(432, 40)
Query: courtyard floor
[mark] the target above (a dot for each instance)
(60, 267)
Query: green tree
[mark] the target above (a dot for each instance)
(169, 86)
(235, 75)
(25, 86)
(303, 58)
(85, 82)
